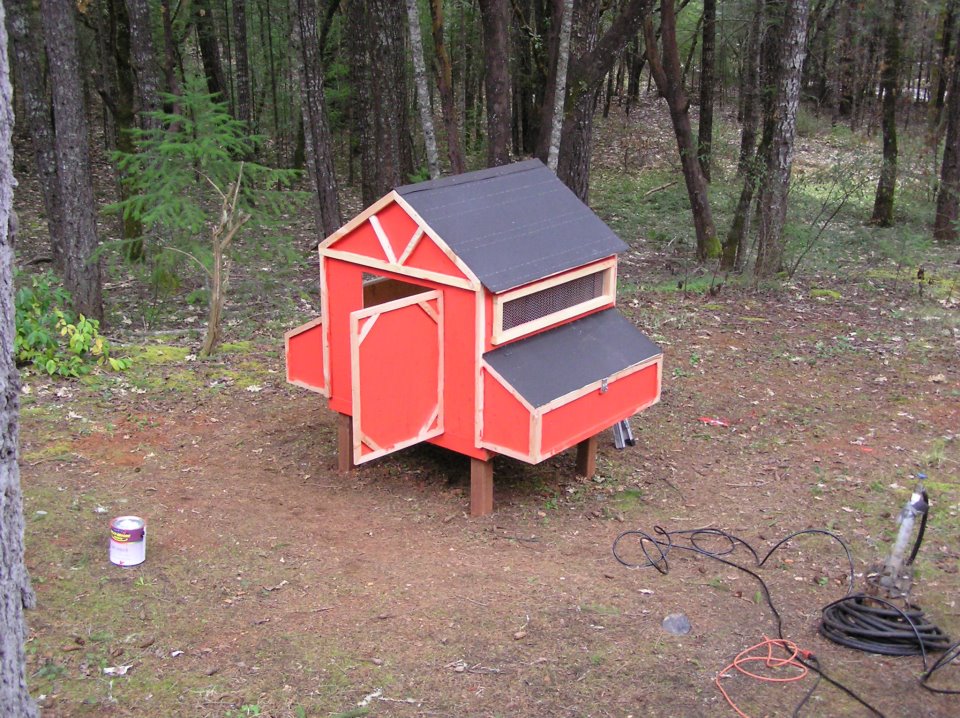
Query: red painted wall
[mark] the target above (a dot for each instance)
(592, 413)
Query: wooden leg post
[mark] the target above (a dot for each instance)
(344, 443)
(587, 457)
(481, 487)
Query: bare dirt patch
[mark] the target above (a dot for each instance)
(275, 586)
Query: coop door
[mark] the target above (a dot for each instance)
(396, 353)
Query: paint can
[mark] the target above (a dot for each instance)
(128, 540)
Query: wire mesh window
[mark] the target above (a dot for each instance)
(553, 299)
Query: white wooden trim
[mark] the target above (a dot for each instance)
(607, 298)
(479, 339)
(536, 435)
(509, 387)
(595, 386)
(430, 311)
(438, 240)
(402, 270)
(411, 245)
(323, 391)
(306, 326)
(358, 220)
(367, 326)
(398, 303)
(383, 239)
(357, 335)
(325, 312)
(512, 453)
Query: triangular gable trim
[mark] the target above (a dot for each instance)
(328, 248)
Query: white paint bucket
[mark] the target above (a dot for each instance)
(128, 540)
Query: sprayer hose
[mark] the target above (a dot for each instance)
(856, 621)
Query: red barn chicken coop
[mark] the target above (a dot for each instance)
(475, 312)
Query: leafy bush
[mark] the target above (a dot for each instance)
(52, 338)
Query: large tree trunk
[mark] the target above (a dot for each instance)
(423, 91)
(667, 74)
(169, 52)
(317, 144)
(889, 86)
(244, 113)
(26, 54)
(144, 59)
(495, 19)
(445, 87)
(71, 145)
(948, 196)
(939, 74)
(560, 85)
(750, 89)
(380, 125)
(707, 60)
(210, 49)
(776, 178)
(592, 60)
(117, 89)
(15, 592)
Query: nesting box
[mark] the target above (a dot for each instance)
(475, 312)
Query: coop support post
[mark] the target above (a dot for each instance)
(481, 487)
(344, 443)
(587, 457)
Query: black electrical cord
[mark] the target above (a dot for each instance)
(902, 628)
(855, 621)
(950, 655)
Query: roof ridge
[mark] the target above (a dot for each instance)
(475, 176)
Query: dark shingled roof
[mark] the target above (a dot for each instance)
(593, 348)
(512, 224)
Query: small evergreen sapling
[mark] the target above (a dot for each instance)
(190, 179)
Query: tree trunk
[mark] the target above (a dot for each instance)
(362, 143)
(15, 592)
(81, 270)
(144, 60)
(317, 144)
(939, 73)
(707, 61)
(749, 90)
(117, 88)
(560, 86)
(423, 92)
(667, 74)
(495, 19)
(169, 54)
(445, 87)
(948, 196)
(209, 49)
(244, 113)
(889, 86)
(26, 54)
(592, 60)
(776, 179)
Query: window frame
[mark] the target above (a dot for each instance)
(608, 267)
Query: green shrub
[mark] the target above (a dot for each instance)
(52, 338)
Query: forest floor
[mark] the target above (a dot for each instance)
(273, 586)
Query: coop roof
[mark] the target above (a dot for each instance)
(512, 224)
(547, 366)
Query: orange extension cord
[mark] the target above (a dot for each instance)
(770, 661)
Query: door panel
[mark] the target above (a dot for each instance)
(396, 354)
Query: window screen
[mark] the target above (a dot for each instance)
(553, 299)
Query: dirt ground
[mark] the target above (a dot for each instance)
(275, 587)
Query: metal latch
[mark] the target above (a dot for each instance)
(604, 385)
